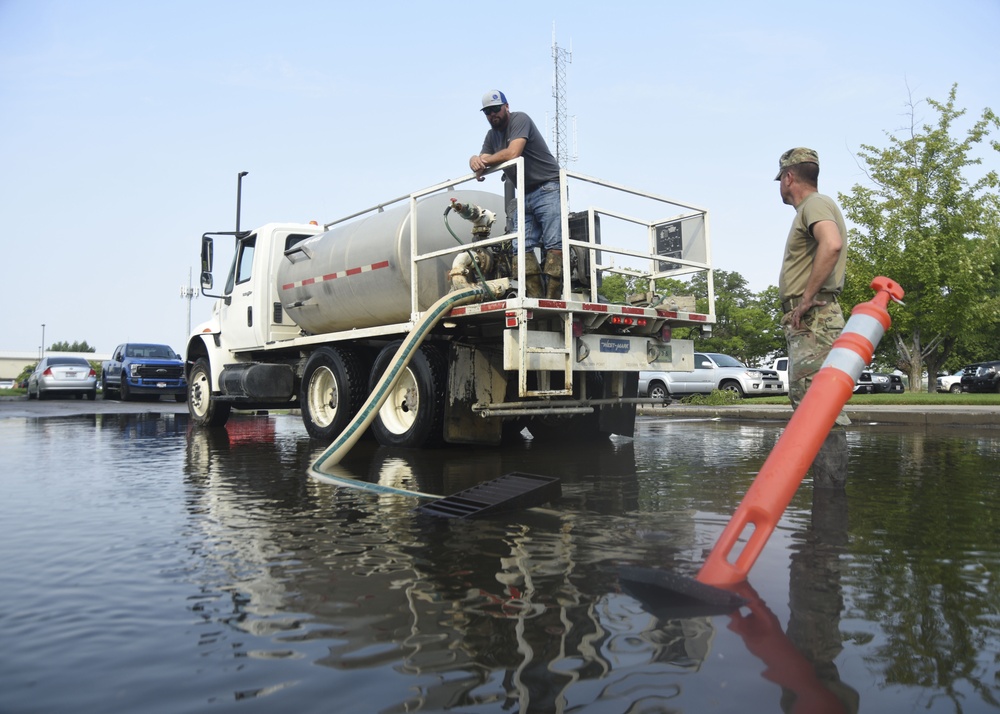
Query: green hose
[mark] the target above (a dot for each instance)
(366, 415)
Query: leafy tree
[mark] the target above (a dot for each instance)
(747, 324)
(74, 347)
(925, 223)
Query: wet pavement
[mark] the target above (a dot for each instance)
(152, 566)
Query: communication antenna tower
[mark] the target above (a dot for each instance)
(561, 58)
(188, 293)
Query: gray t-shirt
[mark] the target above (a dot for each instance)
(540, 165)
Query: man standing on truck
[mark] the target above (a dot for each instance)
(514, 134)
(812, 278)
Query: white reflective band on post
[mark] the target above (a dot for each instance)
(846, 360)
(866, 326)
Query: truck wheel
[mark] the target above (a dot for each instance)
(413, 415)
(733, 387)
(331, 393)
(955, 389)
(204, 409)
(123, 392)
(658, 390)
(107, 391)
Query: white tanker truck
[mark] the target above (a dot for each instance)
(311, 317)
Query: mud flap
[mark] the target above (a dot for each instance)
(619, 418)
(475, 376)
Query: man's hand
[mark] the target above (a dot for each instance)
(795, 316)
(477, 164)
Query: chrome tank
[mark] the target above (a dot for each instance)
(358, 274)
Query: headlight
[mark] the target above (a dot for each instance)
(134, 369)
(753, 374)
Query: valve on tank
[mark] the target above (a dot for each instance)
(481, 219)
(476, 264)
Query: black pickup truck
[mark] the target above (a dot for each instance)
(140, 368)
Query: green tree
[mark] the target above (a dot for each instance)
(747, 324)
(924, 222)
(74, 347)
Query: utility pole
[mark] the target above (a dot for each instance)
(561, 58)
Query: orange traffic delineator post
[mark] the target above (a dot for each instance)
(786, 466)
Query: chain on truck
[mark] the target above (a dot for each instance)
(311, 317)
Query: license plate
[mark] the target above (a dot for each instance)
(161, 385)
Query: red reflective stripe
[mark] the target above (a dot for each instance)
(595, 307)
(333, 276)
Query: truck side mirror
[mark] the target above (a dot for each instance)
(206, 281)
(207, 251)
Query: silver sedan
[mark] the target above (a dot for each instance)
(63, 375)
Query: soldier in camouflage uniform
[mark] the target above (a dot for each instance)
(812, 277)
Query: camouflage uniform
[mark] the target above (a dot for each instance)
(808, 347)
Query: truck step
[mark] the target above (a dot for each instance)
(513, 491)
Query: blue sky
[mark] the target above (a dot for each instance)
(123, 124)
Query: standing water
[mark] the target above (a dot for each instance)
(150, 566)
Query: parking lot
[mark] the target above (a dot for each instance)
(20, 406)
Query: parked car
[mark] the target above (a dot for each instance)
(869, 382)
(62, 375)
(140, 368)
(986, 378)
(711, 371)
(953, 382)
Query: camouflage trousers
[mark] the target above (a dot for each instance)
(808, 347)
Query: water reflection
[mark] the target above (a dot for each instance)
(195, 568)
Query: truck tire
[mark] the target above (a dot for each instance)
(413, 415)
(331, 392)
(123, 392)
(204, 409)
(107, 391)
(955, 389)
(732, 386)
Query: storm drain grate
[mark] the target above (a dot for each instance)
(510, 492)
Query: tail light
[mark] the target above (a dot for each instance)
(627, 321)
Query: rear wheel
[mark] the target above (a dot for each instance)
(955, 389)
(413, 413)
(332, 391)
(203, 407)
(658, 390)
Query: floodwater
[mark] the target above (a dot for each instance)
(149, 566)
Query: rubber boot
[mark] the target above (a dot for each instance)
(829, 469)
(553, 274)
(532, 275)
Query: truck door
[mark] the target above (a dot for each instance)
(240, 320)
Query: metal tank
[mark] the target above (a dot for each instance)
(358, 274)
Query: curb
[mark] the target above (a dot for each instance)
(978, 417)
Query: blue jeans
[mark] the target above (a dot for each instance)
(543, 219)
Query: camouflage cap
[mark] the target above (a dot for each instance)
(798, 155)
